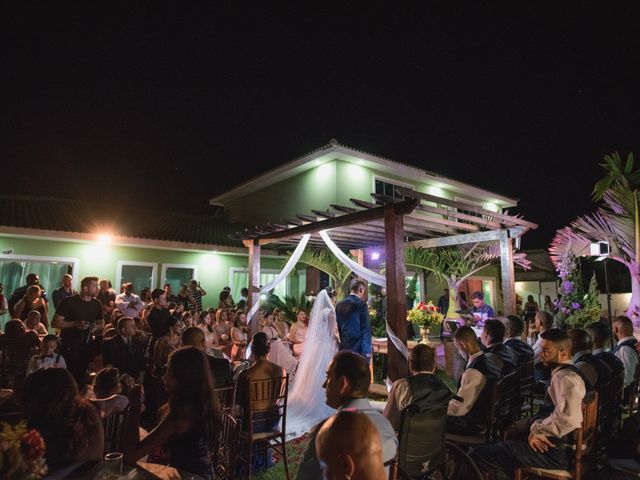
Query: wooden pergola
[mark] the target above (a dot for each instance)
(418, 220)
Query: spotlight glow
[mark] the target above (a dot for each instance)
(375, 255)
(104, 239)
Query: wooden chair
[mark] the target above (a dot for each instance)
(585, 440)
(228, 445)
(226, 397)
(491, 423)
(526, 387)
(609, 410)
(509, 402)
(633, 393)
(114, 430)
(421, 448)
(272, 391)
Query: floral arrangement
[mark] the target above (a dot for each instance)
(377, 314)
(21, 453)
(426, 315)
(576, 307)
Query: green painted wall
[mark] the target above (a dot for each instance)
(101, 261)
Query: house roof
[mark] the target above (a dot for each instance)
(336, 151)
(78, 217)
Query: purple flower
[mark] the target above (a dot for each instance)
(564, 310)
(576, 306)
(567, 287)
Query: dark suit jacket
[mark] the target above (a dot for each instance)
(352, 315)
(128, 360)
(523, 351)
(221, 371)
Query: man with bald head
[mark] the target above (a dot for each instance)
(349, 447)
(220, 368)
(625, 349)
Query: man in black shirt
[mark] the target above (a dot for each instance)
(78, 317)
(159, 318)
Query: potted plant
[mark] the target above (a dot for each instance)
(426, 315)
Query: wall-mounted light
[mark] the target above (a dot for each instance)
(375, 256)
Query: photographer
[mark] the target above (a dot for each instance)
(78, 317)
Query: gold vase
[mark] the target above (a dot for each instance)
(424, 333)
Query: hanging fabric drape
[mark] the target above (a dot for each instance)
(369, 276)
(291, 263)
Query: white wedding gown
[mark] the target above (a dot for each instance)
(306, 403)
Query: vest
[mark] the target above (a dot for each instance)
(632, 342)
(491, 371)
(428, 392)
(506, 355)
(548, 406)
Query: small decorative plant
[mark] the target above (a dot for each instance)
(21, 453)
(426, 315)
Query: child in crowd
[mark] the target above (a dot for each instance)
(32, 322)
(47, 358)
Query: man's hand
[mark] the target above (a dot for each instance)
(81, 325)
(540, 443)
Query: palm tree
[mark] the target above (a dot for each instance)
(325, 261)
(616, 220)
(453, 265)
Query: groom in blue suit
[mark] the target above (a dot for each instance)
(352, 315)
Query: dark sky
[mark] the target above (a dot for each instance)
(163, 107)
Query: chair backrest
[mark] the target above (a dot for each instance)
(421, 440)
(510, 397)
(228, 446)
(609, 399)
(272, 392)
(586, 435)
(226, 397)
(526, 379)
(114, 430)
(492, 419)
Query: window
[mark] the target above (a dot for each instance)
(176, 274)
(14, 270)
(239, 279)
(386, 187)
(141, 274)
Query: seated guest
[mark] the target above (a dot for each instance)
(107, 392)
(280, 353)
(543, 322)
(19, 346)
(205, 323)
(281, 325)
(220, 367)
(190, 422)
(422, 390)
(124, 351)
(549, 436)
(625, 349)
(298, 333)
(167, 344)
(239, 340)
(222, 330)
(481, 311)
(601, 336)
(514, 328)
(492, 337)
(33, 324)
(47, 357)
(348, 446)
(346, 387)
(595, 371)
(32, 301)
(468, 408)
(262, 369)
(70, 426)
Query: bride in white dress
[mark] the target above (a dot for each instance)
(306, 403)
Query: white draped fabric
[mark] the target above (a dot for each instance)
(297, 253)
(369, 276)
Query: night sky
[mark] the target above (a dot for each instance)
(164, 107)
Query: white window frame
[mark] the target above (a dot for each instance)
(38, 258)
(165, 266)
(154, 272)
(232, 270)
(388, 180)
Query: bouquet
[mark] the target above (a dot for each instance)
(21, 453)
(426, 315)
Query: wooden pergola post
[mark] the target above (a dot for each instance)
(507, 273)
(397, 365)
(254, 283)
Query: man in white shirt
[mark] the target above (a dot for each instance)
(128, 302)
(625, 348)
(467, 410)
(549, 444)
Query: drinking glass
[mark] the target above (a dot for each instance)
(113, 463)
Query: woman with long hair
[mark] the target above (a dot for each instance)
(70, 426)
(32, 301)
(190, 420)
(205, 323)
(239, 340)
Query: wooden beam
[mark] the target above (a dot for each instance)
(363, 216)
(488, 236)
(455, 214)
(465, 206)
(506, 273)
(442, 221)
(254, 283)
(397, 365)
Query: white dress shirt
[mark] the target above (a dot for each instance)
(537, 348)
(566, 391)
(471, 384)
(53, 361)
(129, 305)
(629, 359)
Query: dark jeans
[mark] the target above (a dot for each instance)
(77, 358)
(509, 455)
